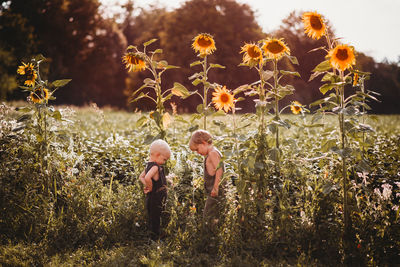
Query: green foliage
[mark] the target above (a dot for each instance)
(99, 215)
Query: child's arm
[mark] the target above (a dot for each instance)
(215, 160)
(141, 177)
(147, 178)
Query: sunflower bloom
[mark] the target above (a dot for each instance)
(38, 96)
(275, 48)
(296, 107)
(134, 62)
(204, 44)
(29, 72)
(314, 25)
(223, 99)
(252, 53)
(342, 57)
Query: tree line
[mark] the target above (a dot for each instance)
(82, 44)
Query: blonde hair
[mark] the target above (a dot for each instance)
(160, 146)
(200, 136)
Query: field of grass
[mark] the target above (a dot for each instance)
(71, 196)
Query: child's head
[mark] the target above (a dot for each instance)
(160, 151)
(200, 141)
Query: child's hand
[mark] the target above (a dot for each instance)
(214, 192)
(147, 189)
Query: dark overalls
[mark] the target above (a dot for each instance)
(155, 201)
(212, 206)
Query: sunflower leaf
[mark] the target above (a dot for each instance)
(180, 89)
(266, 75)
(293, 59)
(60, 83)
(217, 66)
(294, 73)
(326, 87)
(196, 82)
(149, 42)
(198, 62)
(158, 51)
(323, 66)
(315, 75)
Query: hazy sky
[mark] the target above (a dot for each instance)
(371, 26)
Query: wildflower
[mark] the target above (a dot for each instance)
(204, 44)
(193, 209)
(39, 95)
(29, 72)
(134, 62)
(355, 79)
(223, 99)
(314, 25)
(387, 191)
(252, 53)
(275, 48)
(342, 57)
(296, 107)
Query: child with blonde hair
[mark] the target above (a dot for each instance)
(155, 185)
(201, 142)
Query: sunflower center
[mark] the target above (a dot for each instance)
(253, 52)
(224, 98)
(342, 54)
(204, 42)
(316, 23)
(297, 108)
(275, 47)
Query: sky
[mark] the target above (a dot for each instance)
(371, 26)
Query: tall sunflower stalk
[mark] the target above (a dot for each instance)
(204, 45)
(38, 113)
(137, 61)
(337, 70)
(269, 93)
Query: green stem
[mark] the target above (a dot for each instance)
(343, 146)
(276, 110)
(205, 93)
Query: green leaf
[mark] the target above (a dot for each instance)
(158, 51)
(293, 59)
(181, 89)
(199, 108)
(149, 42)
(198, 62)
(217, 66)
(266, 75)
(24, 117)
(56, 115)
(60, 83)
(294, 73)
(23, 109)
(196, 82)
(323, 66)
(326, 87)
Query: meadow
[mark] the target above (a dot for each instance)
(79, 201)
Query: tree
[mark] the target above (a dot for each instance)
(78, 42)
(229, 22)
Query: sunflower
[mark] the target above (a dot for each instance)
(38, 96)
(314, 25)
(223, 99)
(134, 62)
(204, 44)
(342, 57)
(296, 107)
(275, 48)
(252, 53)
(28, 71)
